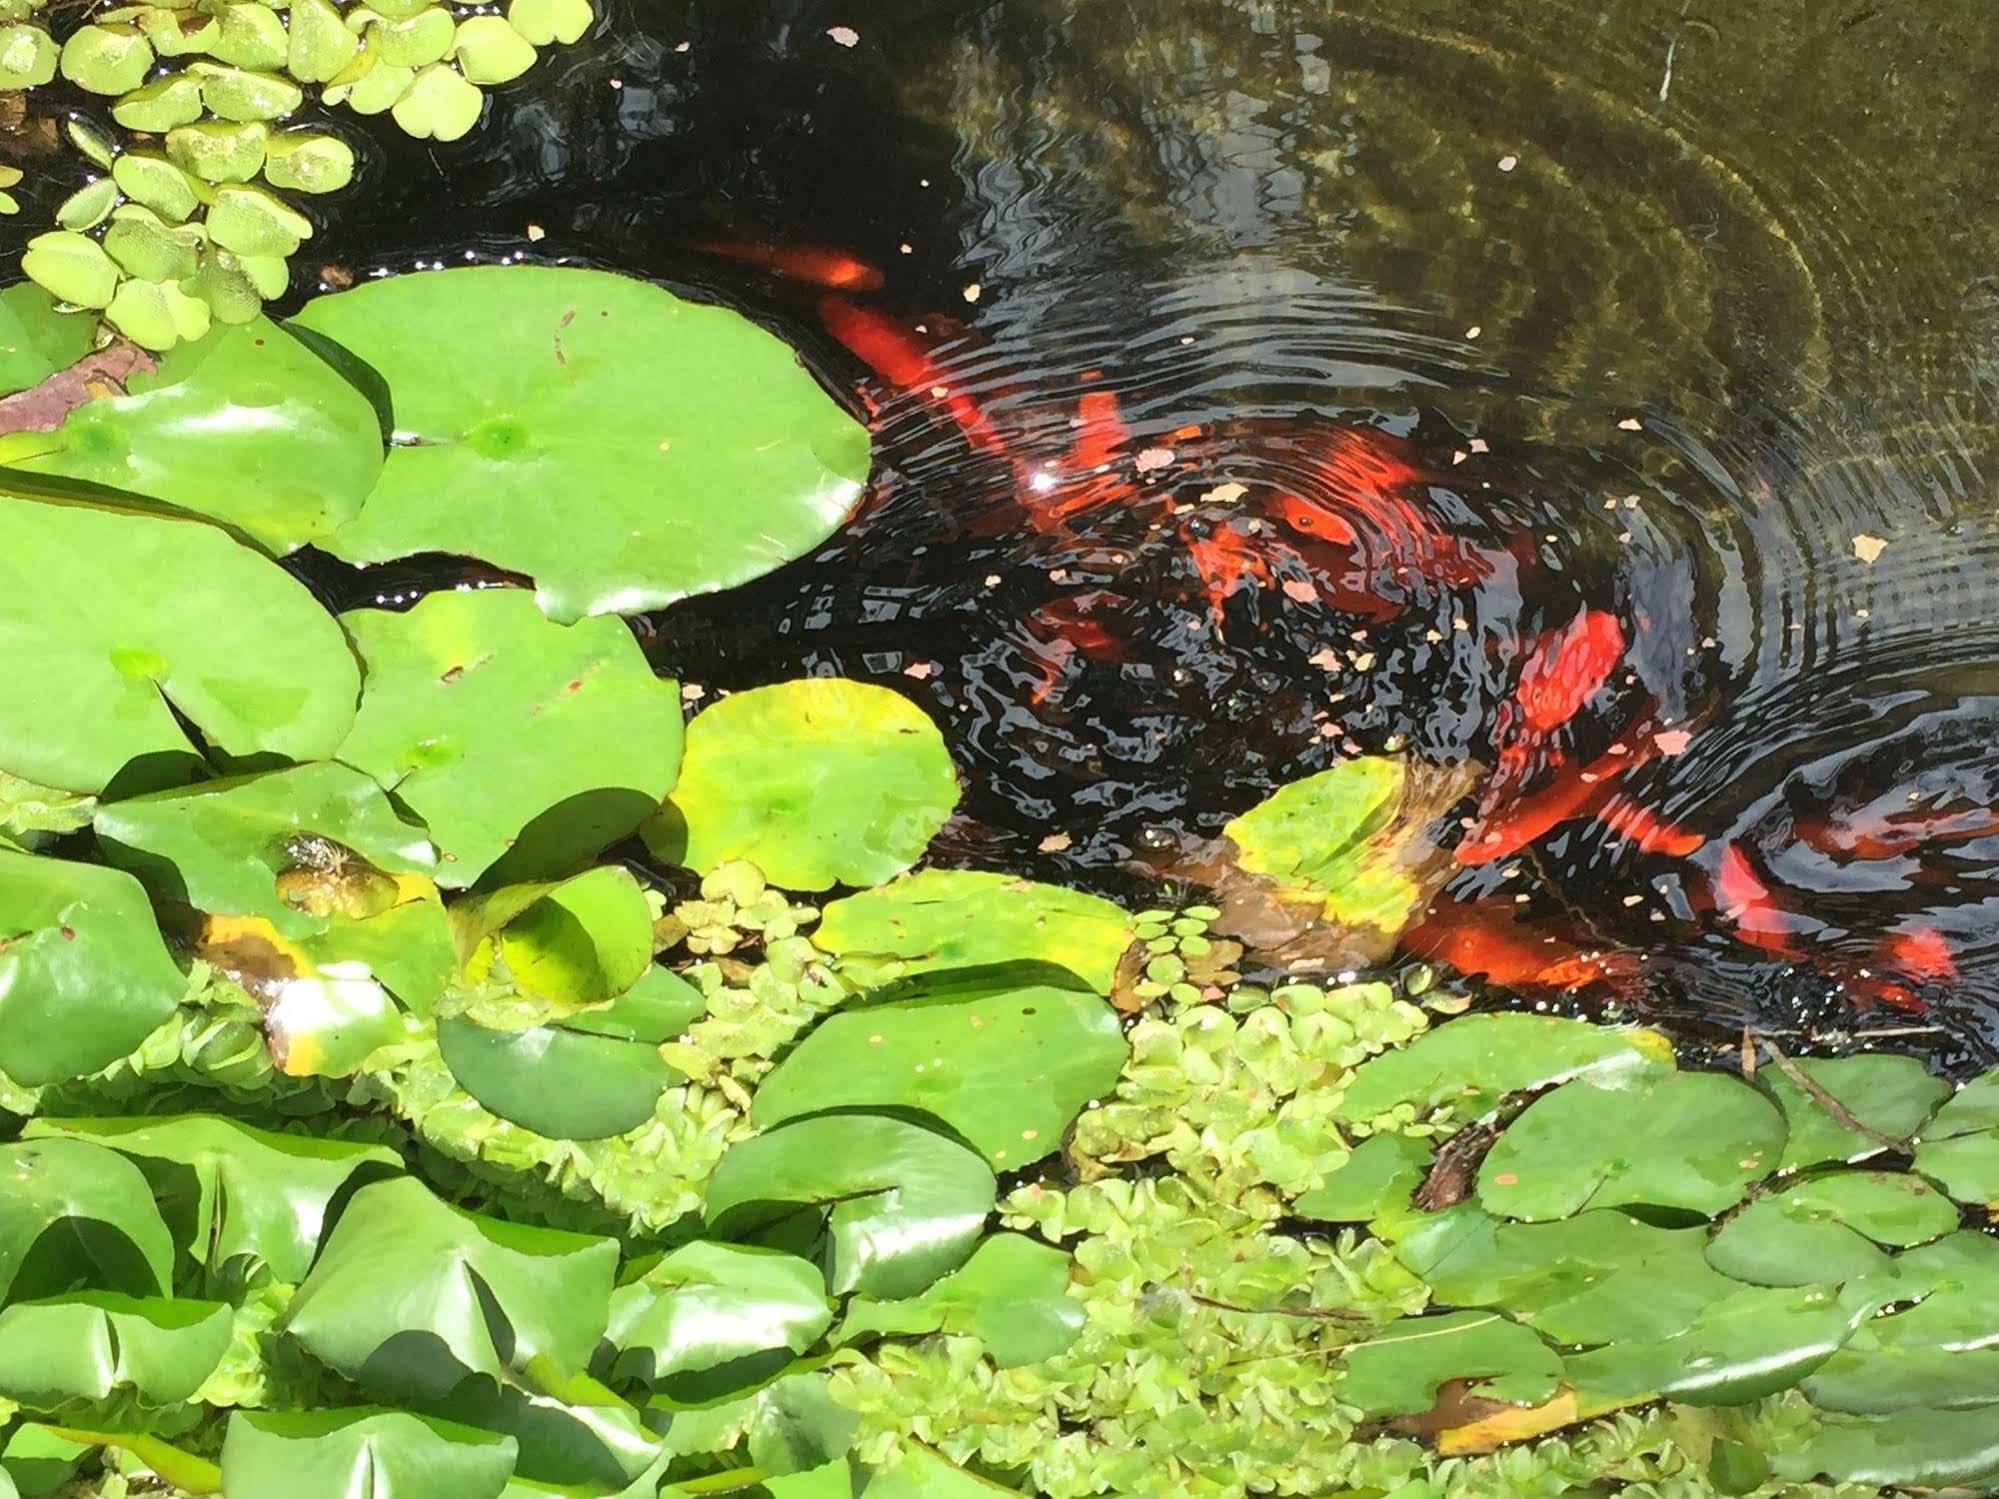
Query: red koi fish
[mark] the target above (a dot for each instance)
(1872, 835)
(894, 353)
(1486, 939)
(1646, 830)
(1744, 900)
(1576, 790)
(1100, 431)
(1566, 667)
(1225, 559)
(1066, 628)
(1921, 953)
(816, 265)
(1312, 519)
(1365, 478)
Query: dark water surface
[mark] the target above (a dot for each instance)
(1686, 314)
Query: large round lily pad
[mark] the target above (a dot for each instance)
(35, 339)
(1691, 1140)
(292, 846)
(902, 1205)
(818, 782)
(84, 976)
(93, 668)
(1316, 839)
(507, 732)
(959, 918)
(246, 425)
(623, 447)
(1006, 1065)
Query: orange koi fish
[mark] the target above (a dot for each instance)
(1922, 953)
(1070, 630)
(1312, 519)
(816, 265)
(1576, 790)
(1743, 899)
(1486, 939)
(894, 353)
(1100, 431)
(1650, 833)
(1566, 667)
(1873, 835)
(1365, 477)
(1224, 559)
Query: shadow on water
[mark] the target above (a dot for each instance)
(1685, 318)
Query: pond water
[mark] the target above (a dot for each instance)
(1286, 381)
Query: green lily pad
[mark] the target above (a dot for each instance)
(572, 943)
(326, 1024)
(30, 815)
(1599, 1277)
(901, 1205)
(1924, 1449)
(1967, 1166)
(715, 1319)
(72, 267)
(1973, 1109)
(100, 1343)
(817, 782)
(107, 59)
(1012, 1295)
(1828, 1229)
(548, 1292)
(1379, 1176)
(407, 949)
(1939, 1350)
(247, 427)
(1007, 1065)
(490, 51)
(35, 339)
(1397, 1371)
(561, 1083)
(1468, 1065)
(508, 733)
(1682, 1140)
(510, 384)
(1739, 1349)
(88, 1205)
(1314, 839)
(84, 976)
(961, 918)
(27, 57)
(246, 654)
(232, 1190)
(292, 846)
(925, 1474)
(1893, 1096)
(287, 1454)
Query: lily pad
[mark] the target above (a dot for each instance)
(1753, 1343)
(506, 732)
(101, 1344)
(75, 1214)
(285, 1454)
(1468, 1065)
(35, 339)
(1600, 1277)
(247, 427)
(572, 942)
(961, 918)
(1894, 1096)
(292, 846)
(245, 654)
(84, 975)
(923, 1473)
(1924, 1449)
(232, 1190)
(513, 384)
(901, 1205)
(1683, 1140)
(1397, 1371)
(1006, 1065)
(715, 1319)
(1828, 1229)
(472, 1294)
(1379, 1176)
(1012, 1295)
(817, 782)
(1312, 838)
(561, 1083)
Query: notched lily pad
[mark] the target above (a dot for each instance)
(513, 384)
(1398, 1371)
(817, 782)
